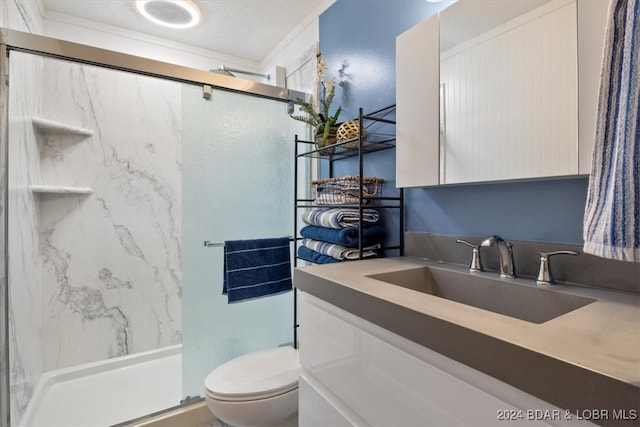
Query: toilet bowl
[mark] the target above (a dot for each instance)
(256, 389)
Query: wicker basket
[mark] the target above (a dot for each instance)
(350, 130)
(345, 190)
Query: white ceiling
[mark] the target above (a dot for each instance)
(248, 29)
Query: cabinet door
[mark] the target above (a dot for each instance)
(418, 104)
(374, 377)
(592, 22)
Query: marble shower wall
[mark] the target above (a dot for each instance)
(111, 260)
(92, 276)
(25, 369)
(25, 290)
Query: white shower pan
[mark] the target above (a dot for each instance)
(107, 392)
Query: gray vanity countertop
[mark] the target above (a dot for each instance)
(587, 359)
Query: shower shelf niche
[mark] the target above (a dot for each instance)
(60, 134)
(60, 189)
(46, 126)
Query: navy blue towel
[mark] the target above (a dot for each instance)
(315, 257)
(346, 236)
(256, 268)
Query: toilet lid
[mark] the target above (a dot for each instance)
(260, 374)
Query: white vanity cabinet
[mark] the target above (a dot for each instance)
(453, 127)
(356, 373)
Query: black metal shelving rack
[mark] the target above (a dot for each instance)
(380, 135)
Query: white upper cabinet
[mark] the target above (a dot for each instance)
(488, 94)
(417, 74)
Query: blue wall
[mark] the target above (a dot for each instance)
(357, 37)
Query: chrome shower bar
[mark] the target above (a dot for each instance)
(249, 73)
(47, 46)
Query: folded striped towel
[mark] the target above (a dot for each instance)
(345, 236)
(312, 256)
(256, 268)
(340, 252)
(340, 217)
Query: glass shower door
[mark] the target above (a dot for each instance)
(94, 242)
(237, 184)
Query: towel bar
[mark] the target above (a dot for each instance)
(208, 244)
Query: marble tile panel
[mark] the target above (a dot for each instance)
(111, 260)
(24, 285)
(98, 275)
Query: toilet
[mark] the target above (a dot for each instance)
(256, 389)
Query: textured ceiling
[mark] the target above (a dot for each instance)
(248, 29)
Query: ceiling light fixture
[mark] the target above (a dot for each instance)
(170, 13)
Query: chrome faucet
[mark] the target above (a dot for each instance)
(476, 261)
(505, 251)
(545, 277)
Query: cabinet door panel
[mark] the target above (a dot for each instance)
(385, 385)
(592, 23)
(417, 109)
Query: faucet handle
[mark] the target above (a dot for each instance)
(476, 262)
(545, 277)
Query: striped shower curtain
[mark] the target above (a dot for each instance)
(612, 214)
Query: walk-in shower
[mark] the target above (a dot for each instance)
(115, 169)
